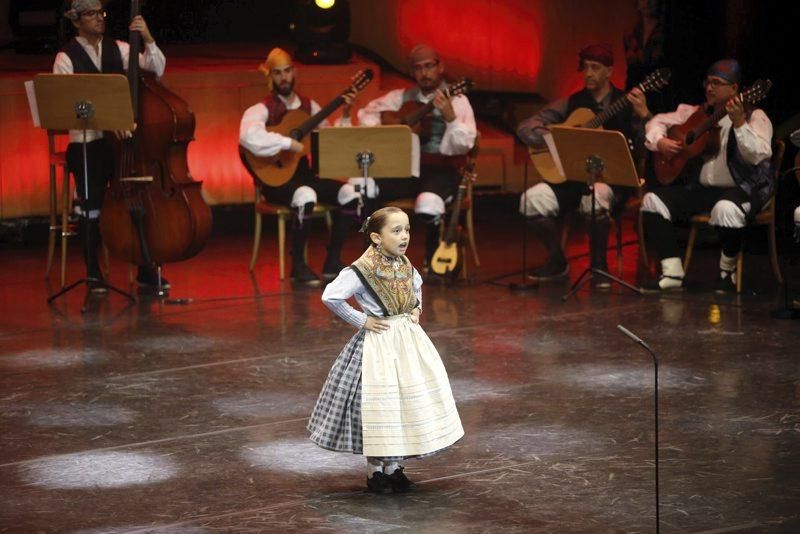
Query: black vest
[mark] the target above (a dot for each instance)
(83, 64)
(621, 122)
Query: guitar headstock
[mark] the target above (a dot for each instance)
(656, 80)
(461, 87)
(362, 79)
(757, 91)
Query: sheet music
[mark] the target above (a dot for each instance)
(32, 103)
(551, 146)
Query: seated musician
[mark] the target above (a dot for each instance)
(543, 203)
(304, 190)
(90, 53)
(733, 184)
(452, 133)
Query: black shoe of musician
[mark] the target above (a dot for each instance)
(332, 268)
(725, 284)
(554, 269)
(147, 279)
(400, 482)
(302, 274)
(380, 483)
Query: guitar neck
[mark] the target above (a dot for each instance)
(616, 107)
(452, 226)
(315, 120)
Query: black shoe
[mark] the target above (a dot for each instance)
(302, 274)
(147, 279)
(552, 270)
(332, 268)
(380, 483)
(400, 482)
(652, 286)
(726, 284)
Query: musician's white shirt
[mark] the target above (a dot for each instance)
(253, 134)
(754, 139)
(459, 135)
(152, 59)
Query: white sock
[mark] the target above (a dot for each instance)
(727, 265)
(374, 466)
(671, 267)
(390, 467)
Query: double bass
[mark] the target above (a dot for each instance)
(153, 211)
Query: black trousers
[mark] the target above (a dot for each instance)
(441, 180)
(327, 190)
(100, 166)
(569, 196)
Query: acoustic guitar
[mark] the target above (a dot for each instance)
(700, 136)
(276, 170)
(586, 118)
(417, 115)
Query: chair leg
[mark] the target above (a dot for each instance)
(282, 246)
(51, 239)
(471, 237)
(565, 233)
(687, 258)
(464, 273)
(329, 220)
(256, 241)
(739, 266)
(773, 253)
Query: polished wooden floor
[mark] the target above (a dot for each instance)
(158, 417)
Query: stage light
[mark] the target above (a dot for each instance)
(322, 34)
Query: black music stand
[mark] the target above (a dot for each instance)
(591, 156)
(84, 102)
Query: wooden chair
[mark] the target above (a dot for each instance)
(58, 229)
(766, 217)
(283, 213)
(467, 210)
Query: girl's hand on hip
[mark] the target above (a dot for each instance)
(376, 325)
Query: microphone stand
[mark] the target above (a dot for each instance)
(639, 341)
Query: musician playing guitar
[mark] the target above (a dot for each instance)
(733, 182)
(451, 132)
(90, 52)
(544, 202)
(303, 190)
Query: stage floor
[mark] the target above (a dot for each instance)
(191, 418)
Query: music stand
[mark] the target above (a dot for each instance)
(368, 152)
(591, 155)
(84, 102)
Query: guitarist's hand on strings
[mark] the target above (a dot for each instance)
(735, 109)
(669, 147)
(297, 146)
(443, 103)
(124, 134)
(639, 103)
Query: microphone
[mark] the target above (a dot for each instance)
(634, 337)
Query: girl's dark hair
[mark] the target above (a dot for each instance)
(376, 222)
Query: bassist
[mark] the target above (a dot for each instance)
(733, 183)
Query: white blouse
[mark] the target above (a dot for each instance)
(347, 285)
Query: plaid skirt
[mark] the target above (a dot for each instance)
(336, 422)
